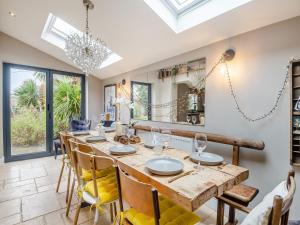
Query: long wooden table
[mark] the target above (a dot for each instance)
(190, 191)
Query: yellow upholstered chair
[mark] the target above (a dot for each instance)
(146, 206)
(98, 191)
(66, 161)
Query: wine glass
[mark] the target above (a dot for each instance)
(188, 118)
(129, 132)
(154, 134)
(200, 143)
(194, 120)
(166, 138)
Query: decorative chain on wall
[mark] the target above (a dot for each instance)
(179, 103)
(263, 116)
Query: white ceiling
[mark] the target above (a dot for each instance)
(132, 30)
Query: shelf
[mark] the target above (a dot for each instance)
(296, 145)
(295, 113)
(296, 74)
(296, 138)
(297, 152)
(296, 87)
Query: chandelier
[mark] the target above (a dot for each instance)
(87, 53)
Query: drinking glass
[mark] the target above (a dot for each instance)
(194, 120)
(129, 132)
(166, 138)
(155, 135)
(200, 143)
(188, 118)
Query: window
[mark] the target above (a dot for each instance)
(181, 15)
(180, 6)
(141, 100)
(109, 98)
(56, 31)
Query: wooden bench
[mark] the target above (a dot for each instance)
(240, 195)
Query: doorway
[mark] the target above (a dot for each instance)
(37, 104)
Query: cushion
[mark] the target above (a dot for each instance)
(107, 188)
(260, 214)
(170, 214)
(86, 175)
(241, 193)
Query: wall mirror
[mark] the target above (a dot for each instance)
(110, 93)
(175, 94)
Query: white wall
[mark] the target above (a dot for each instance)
(257, 71)
(15, 51)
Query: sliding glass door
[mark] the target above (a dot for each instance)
(37, 104)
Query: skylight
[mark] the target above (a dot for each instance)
(181, 15)
(180, 6)
(56, 31)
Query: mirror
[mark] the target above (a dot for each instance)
(174, 94)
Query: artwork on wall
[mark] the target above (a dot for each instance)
(110, 93)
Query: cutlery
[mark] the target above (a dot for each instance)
(122, 156)
(180, 175)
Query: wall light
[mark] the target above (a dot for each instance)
(228, 55)
(12, 14)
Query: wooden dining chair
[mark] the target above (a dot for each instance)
(99, 191)
(66, 161)
(240, 194)
(146, 206)
(279, 213)
(85, 175)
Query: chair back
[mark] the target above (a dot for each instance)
(281, 206)
(92, 163)
(141, 196)
(82, 147)
(65, 146)
(78, 125)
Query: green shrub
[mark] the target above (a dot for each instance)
(28, 127)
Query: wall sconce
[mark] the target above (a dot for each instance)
(228, 55)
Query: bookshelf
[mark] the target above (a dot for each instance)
(295, 114)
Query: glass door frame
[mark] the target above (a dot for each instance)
(8, 157)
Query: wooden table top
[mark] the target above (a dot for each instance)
(189, 191)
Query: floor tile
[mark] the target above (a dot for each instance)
(39, 204)
(55, 218)
(18, 183)
(35, 221)
(11, 220)
(32, 173)
(17, 192)
(9, 208)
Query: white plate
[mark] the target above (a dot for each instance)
(109, 129)
(95, 138)
(164, 166)
(81, 132)
(122, 149)
(207, 158)
(149, 145)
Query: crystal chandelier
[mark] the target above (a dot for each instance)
(87, 53)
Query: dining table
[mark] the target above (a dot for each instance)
(191, 190)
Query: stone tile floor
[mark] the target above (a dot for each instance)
(28, 197)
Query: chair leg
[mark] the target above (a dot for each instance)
(70, 197)
(231, 216)
(220, 213)
(115, 209)
(69, 181)
(96, 219)
(60, 176)
(111, 212)
(77, 211)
